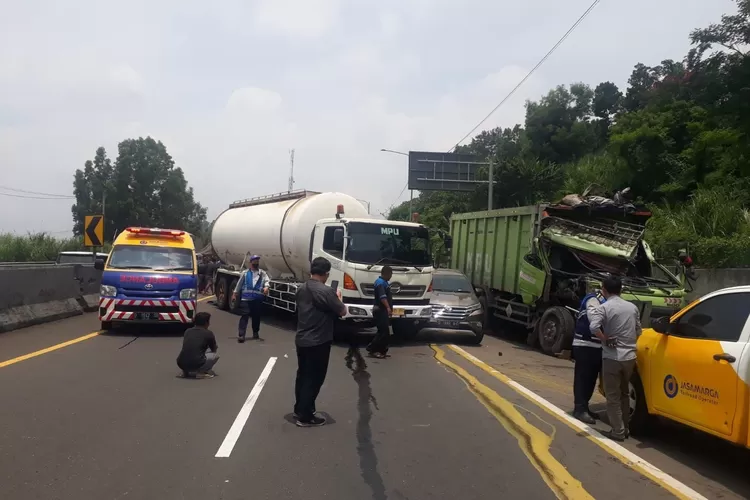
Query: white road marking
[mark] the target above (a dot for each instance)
(239, 423)
(613, 447)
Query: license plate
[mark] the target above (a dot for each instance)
(449, 324)
(147, 316)
(398, 312)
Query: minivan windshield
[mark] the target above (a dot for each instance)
(454, 283)
(153, 258)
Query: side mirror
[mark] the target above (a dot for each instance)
(661, 325)
(448, 242)
(99, 265)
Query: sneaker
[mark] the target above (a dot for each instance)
(296, 415)
(614, 437)
(205, 375)
(313, 422)
(584, 417)
(256, 337)
(240, 340)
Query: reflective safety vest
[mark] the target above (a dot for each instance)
(252, 292)
(582, 329)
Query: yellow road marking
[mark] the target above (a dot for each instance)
(46, 350)
(534, 443)
(634, 462)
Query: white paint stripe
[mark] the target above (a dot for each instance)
(635, 461)
(239, 423)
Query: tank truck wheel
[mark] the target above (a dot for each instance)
(222, 300)
(556, 330)
(233, 303)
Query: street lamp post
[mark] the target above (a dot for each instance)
(411, 193)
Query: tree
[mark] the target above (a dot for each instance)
(144, 188)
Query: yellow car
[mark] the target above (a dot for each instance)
(694, 367)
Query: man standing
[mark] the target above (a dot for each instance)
(587, 352)
(193, 359)
(617, 323)
(382, 311)
(318, 306)
(253, 287)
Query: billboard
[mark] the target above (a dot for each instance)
(430, 171)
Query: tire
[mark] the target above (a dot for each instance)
(639, 416)
(556, 330)
(106, 325)
(405, 331)
(477, 339)
(232, 303)
(222, 292)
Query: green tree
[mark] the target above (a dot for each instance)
(143, 188)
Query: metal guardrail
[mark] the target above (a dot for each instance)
(45, 263)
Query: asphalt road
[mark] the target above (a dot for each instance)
(106, 417)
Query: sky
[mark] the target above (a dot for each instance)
(231, 86)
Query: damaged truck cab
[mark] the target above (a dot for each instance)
(533, 265)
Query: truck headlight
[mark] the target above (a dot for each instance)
(357, 311)
(187, 294)
(107, 291)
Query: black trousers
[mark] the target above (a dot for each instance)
(379, 344)
(588, 365)
(312, 367)
(250, 309)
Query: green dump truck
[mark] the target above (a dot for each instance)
(532, 265)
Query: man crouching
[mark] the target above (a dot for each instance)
(193, 359)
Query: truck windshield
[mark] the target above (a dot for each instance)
(154, 258)
(388, 244)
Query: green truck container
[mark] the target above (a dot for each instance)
(532, 265)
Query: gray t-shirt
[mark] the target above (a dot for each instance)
(317, 309)
(619, 320)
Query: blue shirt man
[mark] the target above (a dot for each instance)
(381, 312)
(252, 288)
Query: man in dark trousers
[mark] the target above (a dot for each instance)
(318, 306)
(382, 311)
(252, 288)
(587, 352)
(193, 359)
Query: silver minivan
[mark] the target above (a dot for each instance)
(455, 306)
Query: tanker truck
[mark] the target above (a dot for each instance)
(290, 229)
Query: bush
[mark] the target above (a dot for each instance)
(714, 225)
(35, 247)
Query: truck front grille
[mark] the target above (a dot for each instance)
(397, 290)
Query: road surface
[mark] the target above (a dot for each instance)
(104, 416)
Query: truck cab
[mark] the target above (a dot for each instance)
(694, 368)
(150, 276)
(359, 248)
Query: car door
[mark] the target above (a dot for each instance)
(694, 366)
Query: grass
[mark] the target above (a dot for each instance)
(35, 247)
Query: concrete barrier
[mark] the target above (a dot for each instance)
(34, 295)
(709, 280)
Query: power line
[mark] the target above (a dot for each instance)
(546, 56)
(36, 192)
(35, 197)
(390, 207)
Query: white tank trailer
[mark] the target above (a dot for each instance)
(287, 230)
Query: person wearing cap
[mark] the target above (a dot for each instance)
(252, 288)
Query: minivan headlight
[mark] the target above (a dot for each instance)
(188, 294)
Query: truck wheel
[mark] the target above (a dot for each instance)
(222, 295)
(233, 302)
(556, 330)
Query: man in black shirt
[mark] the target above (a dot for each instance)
(318, 306)
(193, 359)
(382, 311)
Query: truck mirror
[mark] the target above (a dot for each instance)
(661, 325)
(338, 239)
(99, 264)
(448, 242)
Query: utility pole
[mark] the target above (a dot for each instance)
(411, 199)
(492, 181)
(291, 170)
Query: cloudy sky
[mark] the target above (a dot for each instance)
(230, 86)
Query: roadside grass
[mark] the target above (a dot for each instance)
(35, 247)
